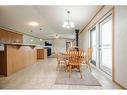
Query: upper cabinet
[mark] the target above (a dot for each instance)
(10, 37)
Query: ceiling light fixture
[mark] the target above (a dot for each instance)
(32, 23)
(68, 24)
(31, 40)
(57, 36)
(40, 39)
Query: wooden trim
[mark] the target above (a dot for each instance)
(5, 59)
(2, 63)
(119, 84)
(113, 44)
(91, 20)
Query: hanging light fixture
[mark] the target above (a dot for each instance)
(68, 24)
(57, 36)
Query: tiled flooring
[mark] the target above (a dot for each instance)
(43, 75)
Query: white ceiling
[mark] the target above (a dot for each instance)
(50, 19)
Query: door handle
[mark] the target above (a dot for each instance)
(100, 47)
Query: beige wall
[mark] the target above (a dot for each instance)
(120, 64)
(57, 44)
(60, 45)
(84, 40)
(121, 45)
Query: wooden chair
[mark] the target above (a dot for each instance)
(67, 60)
(60, 59)
(75, 59)
(88, 58)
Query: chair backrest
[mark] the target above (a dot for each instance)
(60, 56)
(57, 55)
(75, 56)
(89, 54)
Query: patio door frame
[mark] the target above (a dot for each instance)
(111, 11)
(90, 43)
(101, 66)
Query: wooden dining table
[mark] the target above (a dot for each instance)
(65, 57)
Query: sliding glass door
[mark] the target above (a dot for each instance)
(105, 45)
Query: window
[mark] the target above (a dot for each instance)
(93, 44)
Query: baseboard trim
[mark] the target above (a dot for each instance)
(119, 85)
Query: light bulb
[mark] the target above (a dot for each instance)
(57, 37)
(68, 27)
(72, 24)
(31, 40)
(40, 39)
(66, 23)
(33, 23)
(63, 25)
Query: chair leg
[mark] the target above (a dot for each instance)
(58, 65)
(66, 66)
(89, 66)
(70, 71)
(80, 72)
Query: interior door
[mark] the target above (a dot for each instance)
(105, 45)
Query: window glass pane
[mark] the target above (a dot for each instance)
(107, 44)
(93, 44)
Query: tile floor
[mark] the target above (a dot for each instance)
(43, 75)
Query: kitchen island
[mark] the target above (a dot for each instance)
(15, 57)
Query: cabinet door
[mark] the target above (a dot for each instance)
(2, 35)
(10, 37)
(19, 38)
(40, 53)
